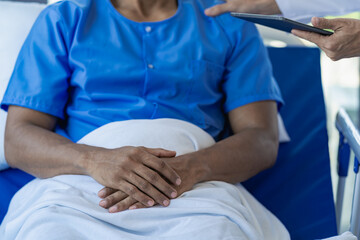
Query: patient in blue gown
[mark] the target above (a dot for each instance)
(87, 63)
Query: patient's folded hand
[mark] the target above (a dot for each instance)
(153, 173)
(117, 201)
(138, 171)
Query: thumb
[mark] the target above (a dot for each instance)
(218, 9)
(324, 23)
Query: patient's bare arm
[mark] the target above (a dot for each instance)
(31, 145)
(251, 149)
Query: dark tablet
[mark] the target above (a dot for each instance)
(279, 22)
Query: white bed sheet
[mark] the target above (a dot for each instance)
(66, 207)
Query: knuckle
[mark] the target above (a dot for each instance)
(145, 185)
(118, 170)
(132, 190)
(114, 178)
(124, 169)
(130, 176)
(118, 175)
(161, 164)
(134, 151)
(153, 177)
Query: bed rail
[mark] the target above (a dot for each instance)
(349, 141)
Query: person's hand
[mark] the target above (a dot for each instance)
(244, 6)
(117, 200)
(344, 43)
(139, 172)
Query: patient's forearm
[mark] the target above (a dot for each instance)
(237, 158)
(41, 152)
(140, 172)
(250, 150)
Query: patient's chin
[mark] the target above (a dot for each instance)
(170, 134)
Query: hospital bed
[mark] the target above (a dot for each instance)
(298, 188)
(349, 141)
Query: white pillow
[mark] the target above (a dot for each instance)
(184, 138)
(16, 20)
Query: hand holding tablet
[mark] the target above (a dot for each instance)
(279, 22)
(343, 42)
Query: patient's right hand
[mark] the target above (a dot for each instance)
(138, 172)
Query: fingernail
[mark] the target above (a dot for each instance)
(178, 181)
(166, 203)
(151, 203)
(101, 193)
(102, 203)
(173, 194)
(113, 209)
(132, 207)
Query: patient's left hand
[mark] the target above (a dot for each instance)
(117, 201)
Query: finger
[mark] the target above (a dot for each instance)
(113, 199)
(137, 206)
(147, 188)
(122, 205)
(157, 181)
(310, 36)
(135, 193)
(159, 152)
(218, 9)
(324, 23)
(162, 168)
(106, 191)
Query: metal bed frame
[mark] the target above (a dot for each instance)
(349, 142)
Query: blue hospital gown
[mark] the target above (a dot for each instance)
(86, 64)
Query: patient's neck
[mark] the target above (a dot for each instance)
(146, 10)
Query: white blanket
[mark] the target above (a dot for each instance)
(67, 206)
